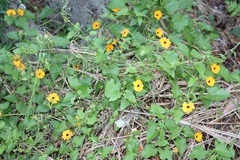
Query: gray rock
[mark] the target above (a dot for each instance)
(82, 11)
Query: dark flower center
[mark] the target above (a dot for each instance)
(138, 85)
(209, 81)
(67, 134)
(214, 68)
(53, 97)
(188, 106)
(164, 42)
(157, 15)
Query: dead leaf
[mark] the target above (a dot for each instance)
(230, 106)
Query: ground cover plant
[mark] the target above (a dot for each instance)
(143, 81)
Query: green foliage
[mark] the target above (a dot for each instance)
(95, 85)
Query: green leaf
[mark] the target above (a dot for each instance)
(183, 49)
(12, 35)
(235, 75)
(206, 102)
(192, 81)
(84, 91)
(45, 12)
(204, 43)
(105, 151)
(93, 118)
(55, 70)
(9, 19)
(181, 144)
(110, 69)
(224, 73)
(152, 131)
(124, 104)
(170, 124)
(2, 123)
(177, 114)
(186, 4)
(117, 4)
(161, 142)
(222, 150)
(201, 69)
(4, 105)
(78, 140)
(115, 95)
(43, 157)
(129, 96)
(123, 11)
(216, 93)
(68, 99)
(236, 32)
(138, 37)
(100, 57)
(195, 54)
(176, 90)
(22, 22)
(42, 108)
(116, 29)
(166, 153)
(149, 151)
(188, 131)
(111, 87)
(50, 149)
(132, 145)
(205, 26)
(198, 152)
(180, 22)
(157, 110)
(131, 69)
(60, 41)
(11, 98)
(74, 82)
(171, 6)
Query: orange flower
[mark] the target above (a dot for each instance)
(115, 10)
(125, 32)
(109, 47)
(96, 25)
(20, 12)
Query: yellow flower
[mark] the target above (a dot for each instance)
(76, 67)
(109, 47)
(40, 73)
(138, 85)
(21, 66)
(16, 60)
(210, 81)
(67, 134)
(11, 12)
(125, 32)
(157, 14)
(114, 42)
(96, 25)
(165, 42)
(175, 150)
(188, 107)
(115, 10)
(215, 68)
(20, 12)
(0, 114)
(77, 117)
(198, 136)
(53, 98)
(159, 32)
